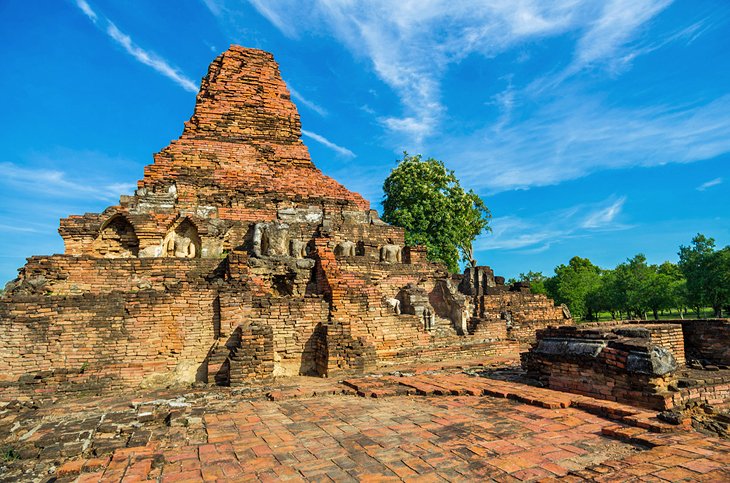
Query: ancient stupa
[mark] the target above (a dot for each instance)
(237, 259)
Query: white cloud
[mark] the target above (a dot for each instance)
(534, 235)
(141, 55)
(411, 43)
(18, 228)
(269, 10)
(604, 217)
(43, 175)
(215, 7)
(574, 136)
(116, 189)
(326, 142)
(56, 183)
(306, 102)
(87, 10)
(512, 233)
(709, 184)
(614, 29)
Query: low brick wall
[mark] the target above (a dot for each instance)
(710, 390)
(618, 364)
(523, 313)
(705, 339)
(708, 339)
(668, 335)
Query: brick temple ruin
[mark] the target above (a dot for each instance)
(236, 259)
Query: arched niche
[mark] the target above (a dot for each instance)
(182, 241)
(117, 239)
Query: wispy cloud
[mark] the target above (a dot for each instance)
(607, 37)
(306, 102)
(216, 7)
(411, 43)
(18, 228)
(116, 189)
(574, 136)
(326, 142)
(273, 14)
(143, 56)
(542, 131)
(709, 184)
(42, 175)
(604, 217)
(533, 235)
(87, 10)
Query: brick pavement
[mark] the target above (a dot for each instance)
(424, 427)
(350, 439)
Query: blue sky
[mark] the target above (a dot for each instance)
(598, 128)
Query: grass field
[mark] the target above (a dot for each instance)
(706, 313)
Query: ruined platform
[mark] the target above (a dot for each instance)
(670, 364)
(237, 260)
(422, 423)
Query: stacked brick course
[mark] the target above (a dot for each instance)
(635, 362)
(237, 259)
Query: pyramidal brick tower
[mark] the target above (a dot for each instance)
(237, 259)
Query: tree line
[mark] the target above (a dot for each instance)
(635, 289)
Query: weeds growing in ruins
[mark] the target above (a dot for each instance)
(9, 454)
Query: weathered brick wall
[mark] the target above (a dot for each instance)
(126, 337)
(670, 337)
(601, 382)
(398, 338)
(256, 357)
(703, 339)
(528, 312)
(714, 391)
(70, 275)
(708, 339)
(615, 363)
(667, 335)
(295, 323)
(488, 328)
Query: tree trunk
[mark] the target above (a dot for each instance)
(656, 314)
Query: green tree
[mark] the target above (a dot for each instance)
(606, 297)
(676, 290)
(572, 285)
(695, 263)
(537, 281)
(634, 279)
(658, 292)
(718, 280)
(426, 199)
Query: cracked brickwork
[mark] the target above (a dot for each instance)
(429, 424)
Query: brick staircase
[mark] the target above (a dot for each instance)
(222, 359)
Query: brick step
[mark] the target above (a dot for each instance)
(643, 421)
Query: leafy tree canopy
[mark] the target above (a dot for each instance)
(537, 281)
(573, 284)
(695, 263)
(426, 199)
